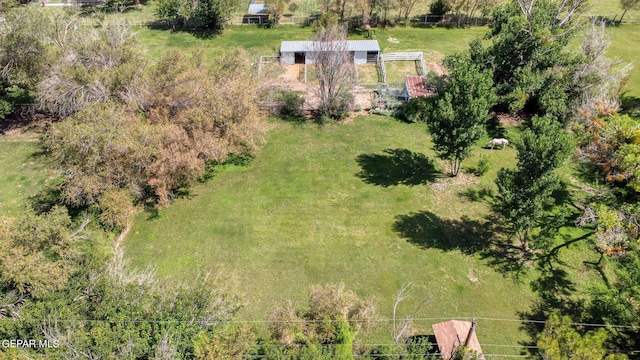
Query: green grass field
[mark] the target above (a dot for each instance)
(359, 203)
(328, 204)
(23, 173)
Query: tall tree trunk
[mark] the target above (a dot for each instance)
(455, 167)
(525, 241)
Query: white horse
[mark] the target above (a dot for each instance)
(494, 142)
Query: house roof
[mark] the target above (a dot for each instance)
(453, 333)
(352, 45)
(416, 87)
(255, 9)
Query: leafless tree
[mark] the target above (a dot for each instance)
(403, 328)
(334, 71)
(599, 78)
(10, 305)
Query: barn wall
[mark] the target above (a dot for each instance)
(310, 57)
(360, 57)
(287, 58)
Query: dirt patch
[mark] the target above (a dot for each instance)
(459, 181)
(436, 68)
(508, 119)
(290, 79)
(291, 73)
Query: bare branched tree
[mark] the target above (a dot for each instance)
(566, 11)
(10, 305)
(598, 78)
(334, 71)
(627, 5)
(403, 328)
(96, 64)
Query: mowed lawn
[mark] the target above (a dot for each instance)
(23, 172)
(328, 205)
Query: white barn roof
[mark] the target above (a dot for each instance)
(255, 9)
(352, 45)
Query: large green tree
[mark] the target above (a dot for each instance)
(561, 341)
(528, 54)
(525, 193)
(458, 117)
(131, 314)
(108, 146)
(202, 15)
(25, 54)
(615, 301)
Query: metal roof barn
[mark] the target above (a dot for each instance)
(352, 45)
(301, 52)
(257, 9)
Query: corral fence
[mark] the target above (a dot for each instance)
(391, 90)
(265, 60)
(417, 57)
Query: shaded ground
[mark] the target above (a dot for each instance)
(396, 167)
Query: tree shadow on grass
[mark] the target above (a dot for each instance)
(482, 194)
(427, 230)
(631, 105)
(556, 294)
(396, 167)
(495, 129)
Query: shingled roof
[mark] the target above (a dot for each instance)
(416, 87)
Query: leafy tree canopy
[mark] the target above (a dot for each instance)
(525, 193)
(561, 341)
(207, 15)
(528, 54)
(458, 117)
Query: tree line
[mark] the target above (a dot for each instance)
(569, 103)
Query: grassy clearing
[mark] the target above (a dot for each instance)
(435, 42)
(257, 41)
(23, 173)
(622, 38)
(329, 204)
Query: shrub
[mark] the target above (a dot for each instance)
(440, 7)
(414, 111)
(116, 209)
(483, 165)
(292, 104)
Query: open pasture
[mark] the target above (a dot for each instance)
(364, 203)
(23, 172)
